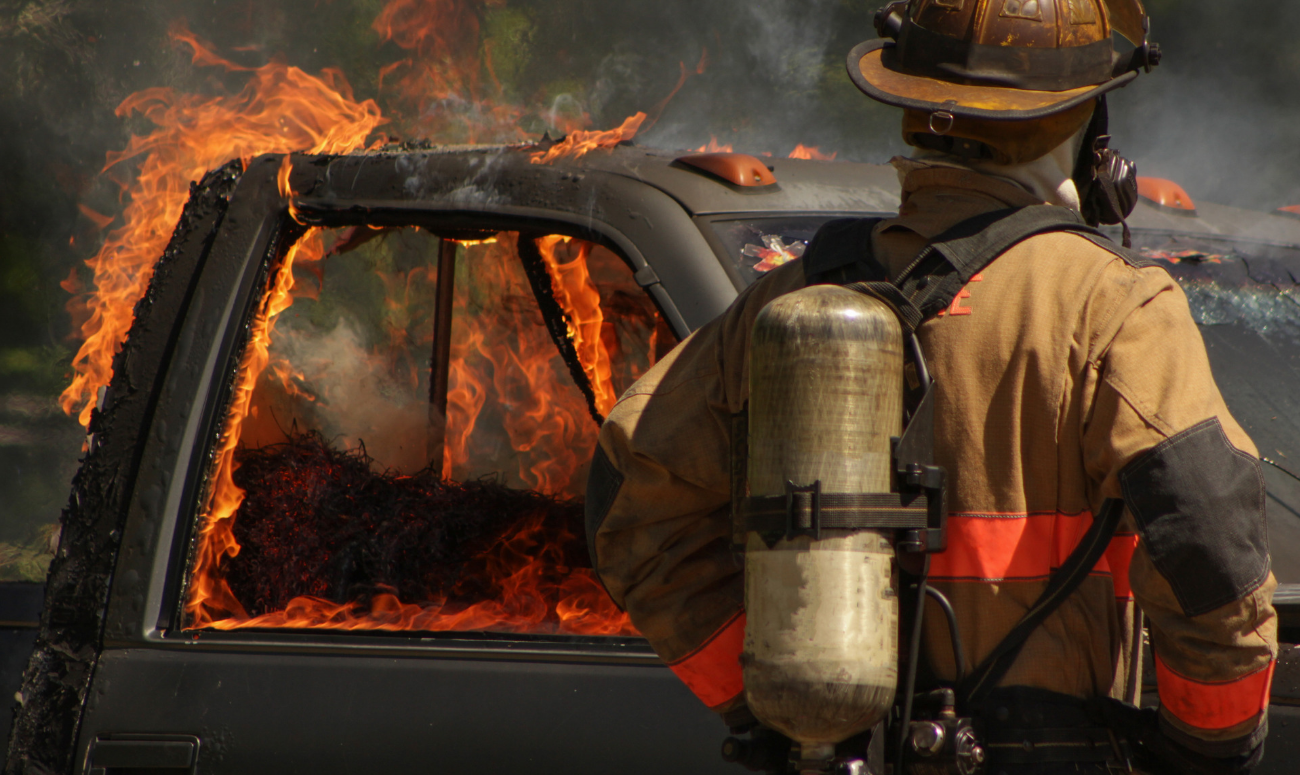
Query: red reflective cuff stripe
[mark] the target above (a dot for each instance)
(1119, 556)
(1213, 705)
(713, 670)
(996, 547)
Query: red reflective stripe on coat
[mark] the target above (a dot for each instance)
(996, 547)
(1119, 555)
(713, 671)
(1023, 547)
(1213, 705)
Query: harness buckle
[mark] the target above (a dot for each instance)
(814, 526)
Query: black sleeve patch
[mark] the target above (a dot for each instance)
(1199, 506)
(603, 484)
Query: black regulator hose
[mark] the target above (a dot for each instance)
(958, 653)
(913, 656)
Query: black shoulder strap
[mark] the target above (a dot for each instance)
(841, 254)
(1130, 256)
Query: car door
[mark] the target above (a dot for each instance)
(352, 539)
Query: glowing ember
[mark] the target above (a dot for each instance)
(802, 151)
(281, 109)
(477, 556)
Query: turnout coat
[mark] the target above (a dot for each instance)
(1066, 374)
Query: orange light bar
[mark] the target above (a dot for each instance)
(1292, 211)
(1167, 194)
(740, 169)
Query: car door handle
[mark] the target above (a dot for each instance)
(161, 755)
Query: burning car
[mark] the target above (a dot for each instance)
(330, 516)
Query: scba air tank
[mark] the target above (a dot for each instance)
(821, 639)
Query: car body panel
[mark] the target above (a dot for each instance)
(282, 714)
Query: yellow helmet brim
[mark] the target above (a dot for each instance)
(868, 72)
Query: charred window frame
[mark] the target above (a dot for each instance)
(281, 230)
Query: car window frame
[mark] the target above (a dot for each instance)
(261, 238)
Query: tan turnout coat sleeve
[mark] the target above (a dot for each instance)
(1057, 367)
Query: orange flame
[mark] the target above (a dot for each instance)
(579, 143)
(713, 146)
(802, 151)
(445, 87)
(280, 110)
(210, 596)
(578, 296)
(546, 423)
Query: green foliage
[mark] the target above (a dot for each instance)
(507, 39)
(29, 561)
(42, 369)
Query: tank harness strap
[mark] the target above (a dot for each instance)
(947, 264)
(808, 511)
(841, 254)
(739, 464)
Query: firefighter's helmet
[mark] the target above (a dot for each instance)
(1004, 60)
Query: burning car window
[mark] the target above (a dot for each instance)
(339, 496)
(756, 246)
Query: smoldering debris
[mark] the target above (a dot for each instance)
(317, 521)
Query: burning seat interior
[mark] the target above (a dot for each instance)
(405, 440)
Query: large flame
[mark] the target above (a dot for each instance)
(580, 300)
(281, 109)
(509, 389)
(513, 385)
(210, 596)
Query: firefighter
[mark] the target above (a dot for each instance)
(1068, 371)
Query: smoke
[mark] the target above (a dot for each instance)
(1221, 116)
(354, 400)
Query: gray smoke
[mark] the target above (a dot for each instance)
(1221, 117)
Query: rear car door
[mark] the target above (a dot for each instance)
(291, 585)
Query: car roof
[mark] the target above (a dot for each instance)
(801, 185)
